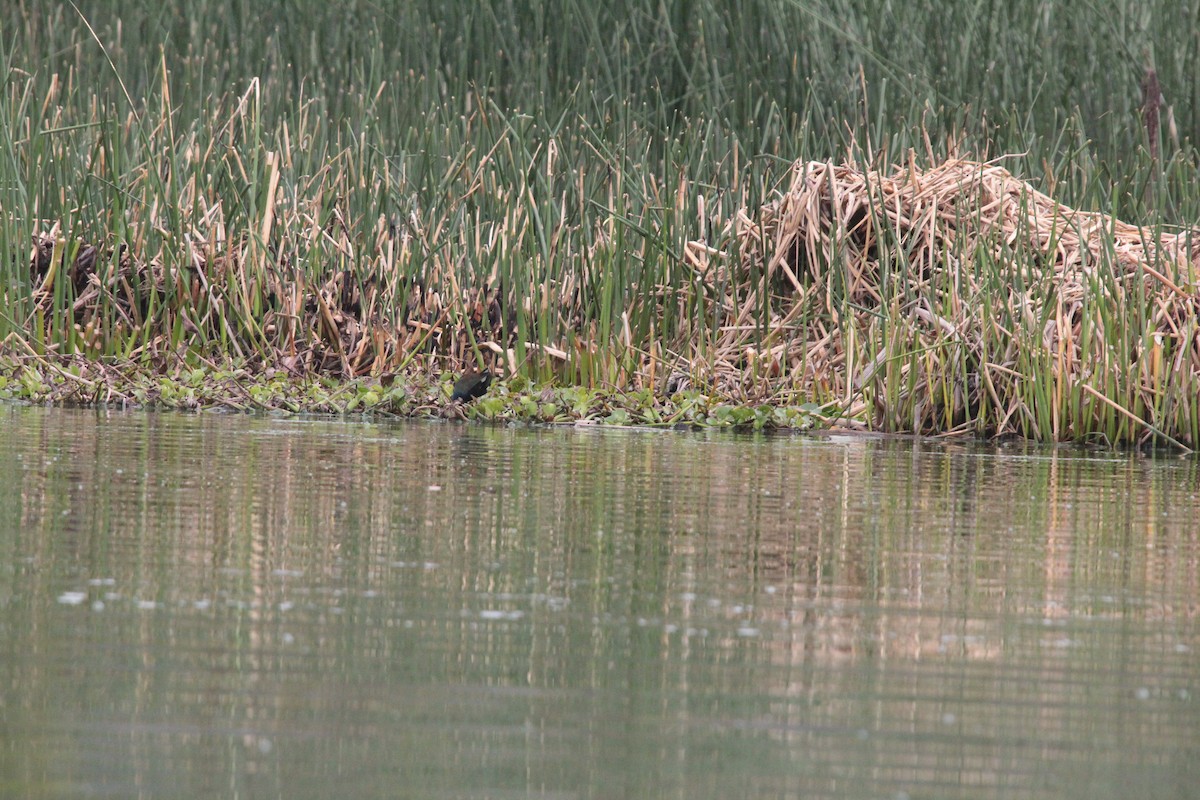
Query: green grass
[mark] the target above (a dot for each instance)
(369, 188)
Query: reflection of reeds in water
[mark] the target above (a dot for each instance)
(913, 588)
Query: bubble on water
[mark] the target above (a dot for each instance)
(1142, 693)
(97, 605)
(949, 718)
(747, 631)
(496, 613)
(72, 598)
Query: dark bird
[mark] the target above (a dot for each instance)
(472, 384)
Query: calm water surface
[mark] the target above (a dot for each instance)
(228, 606)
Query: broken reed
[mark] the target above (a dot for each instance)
(385, 216)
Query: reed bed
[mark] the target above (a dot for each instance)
(953, 298)
(397, 190)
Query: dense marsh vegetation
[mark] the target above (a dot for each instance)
(211, 192)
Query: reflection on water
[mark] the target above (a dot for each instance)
(204, 606)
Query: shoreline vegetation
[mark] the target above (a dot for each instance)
(326, 223)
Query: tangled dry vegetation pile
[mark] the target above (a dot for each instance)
(961, 298)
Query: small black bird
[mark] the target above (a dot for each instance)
(472, 384)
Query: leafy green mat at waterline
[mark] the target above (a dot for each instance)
(79, 381)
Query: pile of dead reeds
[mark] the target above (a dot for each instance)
(960, 298)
